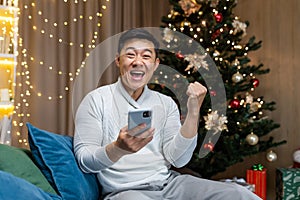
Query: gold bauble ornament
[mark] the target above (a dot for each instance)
(237, 77)
(252, 139)
(271, 156)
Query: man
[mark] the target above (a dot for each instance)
(138, 167)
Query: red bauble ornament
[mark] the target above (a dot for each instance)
(179, 55)
(235, 104)
(218, 17)
(255, 82)
(216, 34)
(213, 93)
(209, 146)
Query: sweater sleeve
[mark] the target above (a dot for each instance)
(177, 149)
(89, 151)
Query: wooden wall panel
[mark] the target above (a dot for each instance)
(277, 24)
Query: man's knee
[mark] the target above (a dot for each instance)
(238, 192)
(128, 195)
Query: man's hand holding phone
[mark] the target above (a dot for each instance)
(127, 143)
(133, 137)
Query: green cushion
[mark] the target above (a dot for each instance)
(17, 161)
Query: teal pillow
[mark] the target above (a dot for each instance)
(54, 156)
(18, 162)
(12, 187)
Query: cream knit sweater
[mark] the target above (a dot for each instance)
(99, 118)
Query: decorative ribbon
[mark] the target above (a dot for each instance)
(258, 167)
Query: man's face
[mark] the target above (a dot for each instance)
(137, 62)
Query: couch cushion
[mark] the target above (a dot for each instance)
(18, 162)
(55, 157)
(13, 187)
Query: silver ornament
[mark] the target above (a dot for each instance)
(252, 139)
(271, 156)
(237, 77)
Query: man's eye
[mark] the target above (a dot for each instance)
(130, 55)
(146, 56)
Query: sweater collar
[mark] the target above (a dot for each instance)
(128, 98)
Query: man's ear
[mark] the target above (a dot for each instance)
(117, 60)
(157, 61)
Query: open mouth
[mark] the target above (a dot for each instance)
(137, 75)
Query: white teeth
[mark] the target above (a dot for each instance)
(137, 73)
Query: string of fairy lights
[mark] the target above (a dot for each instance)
(32, 13)
(8, 53)
(238, 26)
(196, 30)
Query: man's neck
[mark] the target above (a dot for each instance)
(137, 93)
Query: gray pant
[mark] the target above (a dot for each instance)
(184, 187)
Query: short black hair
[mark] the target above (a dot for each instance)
(139, 33)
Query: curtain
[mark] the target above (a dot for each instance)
(60, 60)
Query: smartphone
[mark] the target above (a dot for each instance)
(139, 116)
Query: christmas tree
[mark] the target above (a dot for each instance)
(244, 128)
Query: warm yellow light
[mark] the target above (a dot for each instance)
(7, 62)
(6, 109)
(26, 67)
(7, 19)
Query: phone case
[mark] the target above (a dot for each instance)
(139, 116)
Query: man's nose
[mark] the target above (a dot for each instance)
(138, 60)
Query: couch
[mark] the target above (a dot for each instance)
(47, 171)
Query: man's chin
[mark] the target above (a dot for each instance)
(135, 84)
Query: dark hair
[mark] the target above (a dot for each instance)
(140, 34)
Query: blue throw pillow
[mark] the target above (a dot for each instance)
(54, 156)
(12, 187)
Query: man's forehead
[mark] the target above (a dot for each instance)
(139, 44)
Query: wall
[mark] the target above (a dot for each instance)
(276, 23)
